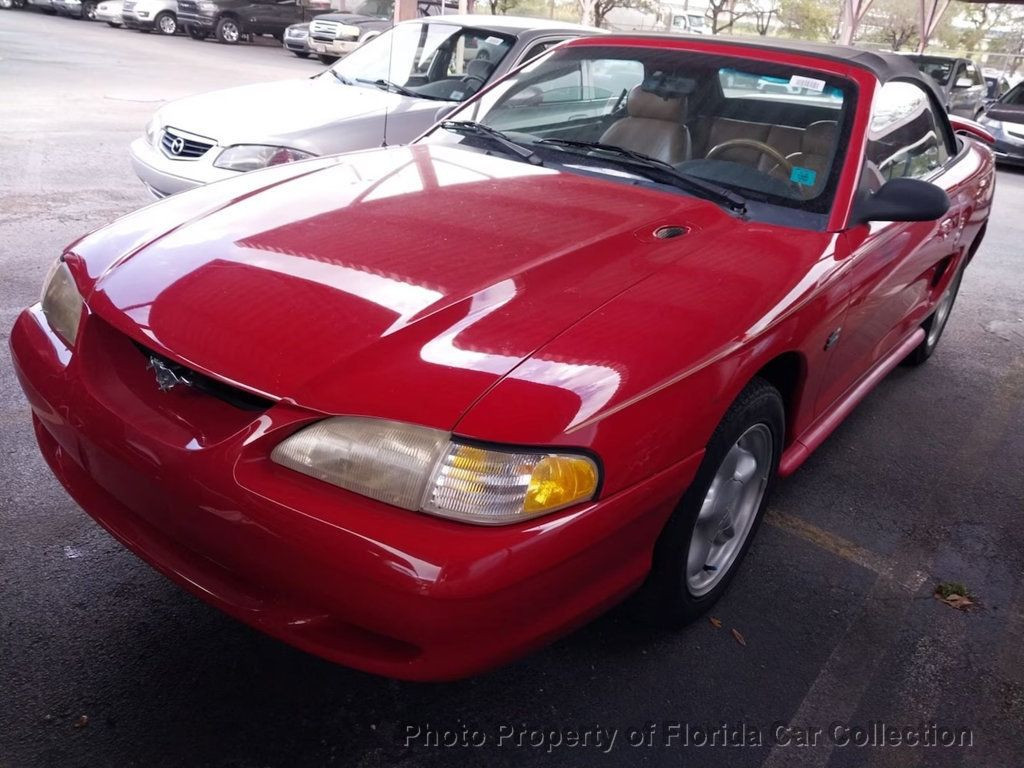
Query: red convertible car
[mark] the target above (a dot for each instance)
(421, 409)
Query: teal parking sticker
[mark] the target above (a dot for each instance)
(803, 176)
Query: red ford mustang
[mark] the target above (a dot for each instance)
(421, 409)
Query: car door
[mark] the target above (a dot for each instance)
(893, 267)
(976, 92)
(276, 15)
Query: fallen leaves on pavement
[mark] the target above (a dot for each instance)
(739, 638)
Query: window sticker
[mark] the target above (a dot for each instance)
(805, 177)
(456, 95)
(807, 83)
(493, 40)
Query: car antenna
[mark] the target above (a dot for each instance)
(391, 48)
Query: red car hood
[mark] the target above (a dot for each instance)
(400, 283)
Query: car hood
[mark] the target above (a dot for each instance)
(400, 283)
(295, 113)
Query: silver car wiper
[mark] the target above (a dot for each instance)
(389, 85)
(706, 189)
(340, 77)
(479, 129)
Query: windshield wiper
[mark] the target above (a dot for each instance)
(340, 77)
(705, 189)
(389, 85)
(479, 129)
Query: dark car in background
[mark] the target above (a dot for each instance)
(1004, 119)
(333, 35)
(231, 21)
(960, 83)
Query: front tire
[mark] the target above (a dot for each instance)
(166, 23)
(229, 31)
(301, 54)
(89, 11)
(936, 323)
(701, 547)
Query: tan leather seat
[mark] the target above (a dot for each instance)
(816, 150)
(653, 126)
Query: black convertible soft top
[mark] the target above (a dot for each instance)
(885, 66)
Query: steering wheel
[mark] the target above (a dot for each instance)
(781, 160)
(759, 146)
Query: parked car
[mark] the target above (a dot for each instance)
(1004, 118)
(398, 81)
(76, 9)
(333, 35)
(996, 83)
(110, 11)
(46, 6)
(150, 15)
(960, 83)
(421, 409)
(231, 21)
(296, 39)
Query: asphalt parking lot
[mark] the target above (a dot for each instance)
(104, 663)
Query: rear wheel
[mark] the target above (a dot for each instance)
(166, 23)
(936, 323)
(228, 31)
(708, 535)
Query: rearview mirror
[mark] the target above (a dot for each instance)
(963, 82)
(902, 200)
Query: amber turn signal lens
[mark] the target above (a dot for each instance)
(558, 481)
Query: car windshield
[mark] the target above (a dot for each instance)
(939, 70)
(767, 132)
(429, 59)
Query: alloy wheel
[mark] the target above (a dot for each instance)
(729, 509)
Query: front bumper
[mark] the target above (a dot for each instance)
(109, 18)
(337, 48)
(296, 44)
(184, 480)
(134, 21)
(164, 176)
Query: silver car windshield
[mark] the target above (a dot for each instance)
(431, 60)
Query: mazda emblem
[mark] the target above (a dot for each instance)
(177, 145)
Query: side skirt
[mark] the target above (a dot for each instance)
(815, 435)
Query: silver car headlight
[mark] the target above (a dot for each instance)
(61, 302)
(249, 157)
(427, 470)
(153, 132)
(348, 30)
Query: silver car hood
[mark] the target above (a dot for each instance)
(318, 115)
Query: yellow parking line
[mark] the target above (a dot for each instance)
(847, 550)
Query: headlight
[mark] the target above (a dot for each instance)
(153, 132)
(426, 470)
(249, 157)
(298, 33)
(62, 303)
(347, 30)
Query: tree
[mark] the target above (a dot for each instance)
(982, 18)
(501, 6)
(808, 19)
(723, 14)
(893, 23)
(763, 12)
(592, 12)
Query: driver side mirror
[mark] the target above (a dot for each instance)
(902, 200)
(963, 82)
